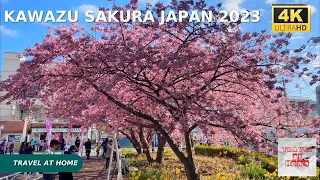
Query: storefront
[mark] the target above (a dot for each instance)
(57, 133)
(13, 131)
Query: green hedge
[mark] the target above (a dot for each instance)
(215, 151)
(269, 164)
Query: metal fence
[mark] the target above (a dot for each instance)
(24, 176)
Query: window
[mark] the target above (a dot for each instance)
(21, 114)
(14, 138)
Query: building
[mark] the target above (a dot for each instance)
(29, 123)
(11, 117)
(298, 101)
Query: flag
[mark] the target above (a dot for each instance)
(49, 129)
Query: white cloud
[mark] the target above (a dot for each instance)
(152, 2)
(316, 62)
(271, 1)
(306, 77)
(313, 9)
(261, 11)
(8, 32)
(297, 36)
(87, 7)
(301, 1)
(233, 5)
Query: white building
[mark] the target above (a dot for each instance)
(26, 124)
(298, 101)
(11, 117)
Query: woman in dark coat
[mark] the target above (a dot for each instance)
(28, 149)
(21, 148)
(68, 175)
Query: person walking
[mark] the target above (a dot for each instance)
(54, 145)
(32, 143)
(88, 148)
(68, 175)
(62, 144)
(4, 145)
(36, 145)
(41, 146)
(11, 147)
(108, 154)
(21, 150)
(77, 142)
(45, 145)
(27, 149)
(104, 146)
(98, 148)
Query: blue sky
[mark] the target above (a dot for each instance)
(15, 37)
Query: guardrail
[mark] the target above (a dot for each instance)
(25, 176)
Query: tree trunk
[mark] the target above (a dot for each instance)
(190, 167)
(145, 146)
(188, 162)
(134, 141)
(161, 142)
(136, 144)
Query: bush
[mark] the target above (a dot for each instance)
(218, 151)
(270, 164)
(128, 153)
(138, 161)
(244, 156)
(253, 172)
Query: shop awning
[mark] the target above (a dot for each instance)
(12, 126)
(43, 125)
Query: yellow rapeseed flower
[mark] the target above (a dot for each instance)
(218, 175)
(177, 171)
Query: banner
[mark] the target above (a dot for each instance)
(297, 156)
(57, 136)
(69, 137)
(49, 129)
(81, 139)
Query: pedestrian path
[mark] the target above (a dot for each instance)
(94, 169)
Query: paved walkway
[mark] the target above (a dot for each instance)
(93, 169)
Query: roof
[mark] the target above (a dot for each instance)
(12, 126)
(299, 98)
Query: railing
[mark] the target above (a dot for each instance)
(25, 176)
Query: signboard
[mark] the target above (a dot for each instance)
(55, 130)
(297, 156)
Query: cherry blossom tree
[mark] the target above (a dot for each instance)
(175, 77)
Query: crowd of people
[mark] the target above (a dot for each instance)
(55, 146)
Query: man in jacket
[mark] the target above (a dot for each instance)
(4, 145)
(108, 153)
(88, 148)
(54, 145)
(77, 142)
